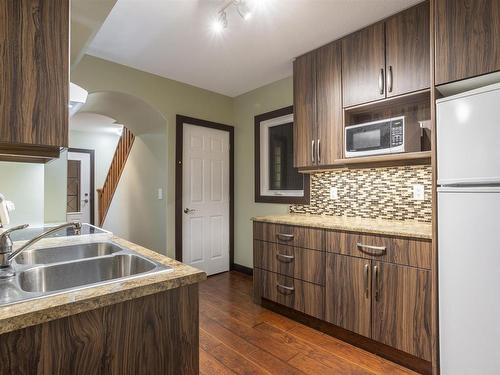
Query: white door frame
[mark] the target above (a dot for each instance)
(179, 143)
(92, 177)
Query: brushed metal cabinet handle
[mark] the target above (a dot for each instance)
(380, 250)
(319, 152)
(366, 278)
(376, 271)
(313, 159)
(381, 82)
(284, 236)
(285, 258)
(389, 79)
(286, 289)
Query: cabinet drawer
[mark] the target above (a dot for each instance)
(296, 294)
(304, 264)
(308, 238)
(405, 251)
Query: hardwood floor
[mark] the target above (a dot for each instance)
(240, 337)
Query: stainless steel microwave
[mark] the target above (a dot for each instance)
(387, 136)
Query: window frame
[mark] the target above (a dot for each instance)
(266, 120)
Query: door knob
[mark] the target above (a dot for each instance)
(85, 201)
(189, 210)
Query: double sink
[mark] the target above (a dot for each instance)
(53, 270)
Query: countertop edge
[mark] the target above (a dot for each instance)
(340, 227)
(76, 302)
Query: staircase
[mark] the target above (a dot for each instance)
(105, 194)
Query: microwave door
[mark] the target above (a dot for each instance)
(368, 139)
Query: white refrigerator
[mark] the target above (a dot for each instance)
(468, 157)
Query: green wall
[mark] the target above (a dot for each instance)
(267, 98)
(168, 97)
(172, 98)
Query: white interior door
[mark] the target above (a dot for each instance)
(205, 196)
(83, 216)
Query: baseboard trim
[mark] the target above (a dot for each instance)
(407, 360)
(243, 269)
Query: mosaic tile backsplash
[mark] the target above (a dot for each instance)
(385, 193)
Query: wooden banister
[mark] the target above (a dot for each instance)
(106, 193)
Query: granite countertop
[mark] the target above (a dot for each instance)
(29, 313)
(409, 228)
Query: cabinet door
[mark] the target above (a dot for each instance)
(363, 65)
(34, 44)
(408, 51)
(304, 108)
(401, 308)
(348, 293)
(329, 103)
(467, 38)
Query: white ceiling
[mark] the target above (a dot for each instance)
(174, 38)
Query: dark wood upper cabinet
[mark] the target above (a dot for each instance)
(304, 107)
(318, 107)
(34, 71)
(401, 308)
(467, 39)
(363, 65)
(408, 51)
(387, 59)
(348, 293)
(329, 103)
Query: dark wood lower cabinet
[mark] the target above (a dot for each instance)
(401, 308)
(381, 302)
(156, 334)
(348, 293)
(299, 295)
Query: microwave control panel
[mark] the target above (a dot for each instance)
(397, 132)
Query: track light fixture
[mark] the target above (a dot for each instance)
(221, 20)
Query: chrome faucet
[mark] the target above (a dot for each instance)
(6, 245)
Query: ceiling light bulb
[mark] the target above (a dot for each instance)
(220, 23)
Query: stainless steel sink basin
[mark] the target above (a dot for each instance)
(67, 253)
(45, 272)
(75, 274)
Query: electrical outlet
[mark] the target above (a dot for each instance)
(334, 194)
(418, 192)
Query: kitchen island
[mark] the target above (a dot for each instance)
(144, 324)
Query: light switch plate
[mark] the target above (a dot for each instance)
(160, 193)
(418, 192)
(334, 194)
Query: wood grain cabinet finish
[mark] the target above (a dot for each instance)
(329, 104)
(467, 39)
(299, 295)
(304, 108)
(309, 238)
(408, 51)
(303, 264)
(387, 59)
(318, 107)
(363, 65)
(348, 293)
(398, 250)
(401, 308)
(34, 44)
(156, 334)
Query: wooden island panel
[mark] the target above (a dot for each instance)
(155, 334)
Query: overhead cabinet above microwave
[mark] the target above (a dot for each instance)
(387, 59)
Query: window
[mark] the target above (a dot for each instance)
(276, 180)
